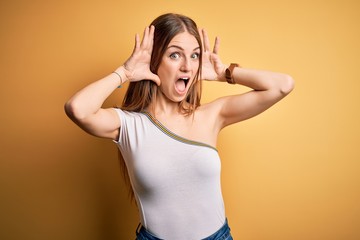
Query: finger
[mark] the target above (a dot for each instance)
(216, 45)
(206, 41)
(151, 37)
(137, 42)
(144, 41)
(201, 37)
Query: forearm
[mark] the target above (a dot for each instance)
(268, 89)
(89, 100)
(260, 80)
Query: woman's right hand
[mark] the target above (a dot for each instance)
(137, 67)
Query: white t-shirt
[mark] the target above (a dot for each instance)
(176, 181)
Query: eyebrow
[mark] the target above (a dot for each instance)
(175, 46)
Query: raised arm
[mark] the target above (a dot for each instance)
(85, 107)
(268, 88)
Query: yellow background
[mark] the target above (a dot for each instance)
(290, 173)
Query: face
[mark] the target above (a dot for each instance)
(179, 66)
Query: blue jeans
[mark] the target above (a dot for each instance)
(222, 234)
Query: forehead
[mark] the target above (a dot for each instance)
(184, 40)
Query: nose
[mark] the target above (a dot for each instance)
(185, 65)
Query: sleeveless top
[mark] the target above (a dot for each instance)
(176, 181)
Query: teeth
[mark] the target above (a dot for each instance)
(186, 80)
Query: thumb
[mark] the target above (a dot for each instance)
(155, 78)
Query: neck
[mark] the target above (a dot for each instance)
(163, 106)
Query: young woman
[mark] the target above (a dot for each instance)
(166, 138)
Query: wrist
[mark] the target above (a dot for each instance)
(222, 75)
(120, 72)
(229, 75)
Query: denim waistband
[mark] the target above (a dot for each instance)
(222, 234)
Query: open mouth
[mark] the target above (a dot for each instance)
(186, 80)
(181, 84)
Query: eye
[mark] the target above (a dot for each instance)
(195, 55)
(175, 55)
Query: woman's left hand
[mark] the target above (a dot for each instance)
(212, 67)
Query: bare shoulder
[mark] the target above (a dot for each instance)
(209, 109)
(224, 110)
(208, 114)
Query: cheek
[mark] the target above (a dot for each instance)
(195, 67)
(163, 75)
(166, 71)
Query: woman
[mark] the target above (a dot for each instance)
(166, 138)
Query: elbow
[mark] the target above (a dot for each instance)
(69, 109)
(72, 111)
(287, 84)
